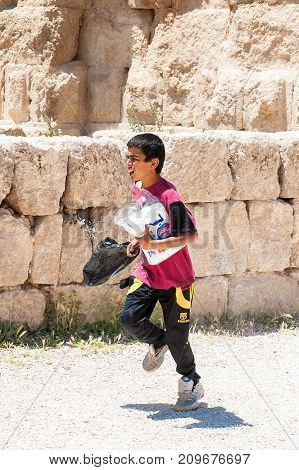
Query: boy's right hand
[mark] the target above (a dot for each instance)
(133, 248)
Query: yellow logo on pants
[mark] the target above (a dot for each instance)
(183, 318)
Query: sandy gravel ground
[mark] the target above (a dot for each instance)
(63, 399)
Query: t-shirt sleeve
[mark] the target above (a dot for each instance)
(182, 221)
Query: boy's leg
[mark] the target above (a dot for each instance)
(176, 305)
(134, 317)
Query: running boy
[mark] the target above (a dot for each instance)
(171, 282)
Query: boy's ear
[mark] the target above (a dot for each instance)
(154, 162)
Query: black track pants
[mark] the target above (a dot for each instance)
(176, 305)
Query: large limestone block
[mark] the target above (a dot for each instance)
(198, 167)
(23, 307)
(40, 35)
(141, 100)
(271, 227)
(16, 104)
(16, 249)
(254, 162)
(39, 177)
(265, 106)
(97, 175)
(6, 173)
(108, 38)
(187, 68)
(150, 4)
(222, 247)
(47, 248)
(246, 100)
(224, 109)
(294, 111)
(289, 170)
(2, 89)
(295, 236)
(75, 252)
(105, 90)
(210, 296)
(262, 293)
(264, 35)
(92, 303)
(84, 4)
(60, 93)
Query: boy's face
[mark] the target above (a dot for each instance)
(137, 166)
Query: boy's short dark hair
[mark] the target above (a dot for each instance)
(152, 147)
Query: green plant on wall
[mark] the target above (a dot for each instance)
(139, 126)
(134, 122)
(52, 130)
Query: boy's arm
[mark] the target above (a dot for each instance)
(147, 243)
(171, 242)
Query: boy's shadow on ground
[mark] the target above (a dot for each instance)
(212, 418)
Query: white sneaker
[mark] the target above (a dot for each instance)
(189, 394)
(154, 358)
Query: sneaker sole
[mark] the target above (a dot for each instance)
(155, 367)
(189, 408)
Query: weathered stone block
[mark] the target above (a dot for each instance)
(16, 250)
(39, 177)
(248, 43)
(289, 170)
(105, 89)
(262, 293)
(107, 38)
(271, 226)
(224, 109)
(185, 86)
(2, 89)
(6, 173)
(75, 252)
(265, 107)
(210, 296)
(47, 247)
(97, 176)
(222, 247)
(295, 236)
(16, 104)
(254, 164)
(202, 160)
(23, 307)
(39, 35)
(60, 94)
(93, 303)
(84, 4)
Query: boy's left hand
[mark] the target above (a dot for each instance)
(145, 241)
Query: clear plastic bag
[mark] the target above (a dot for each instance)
(147, 210)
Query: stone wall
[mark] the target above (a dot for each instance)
(243, 189)
(217, 64)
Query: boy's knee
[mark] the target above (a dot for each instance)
(126, 320)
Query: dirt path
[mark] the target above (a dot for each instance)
(63, 399)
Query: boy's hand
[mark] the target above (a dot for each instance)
(145, 241)
(133, 248)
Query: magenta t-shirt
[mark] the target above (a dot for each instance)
(177, 270)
